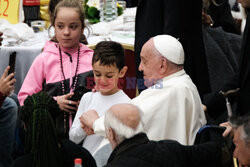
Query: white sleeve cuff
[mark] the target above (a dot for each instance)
(98, 127)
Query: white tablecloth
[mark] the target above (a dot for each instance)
(27, 51)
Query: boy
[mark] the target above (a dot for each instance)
(108, 67)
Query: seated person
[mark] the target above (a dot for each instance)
(63, 65)
(108, 67)
(131, 147)
(240, 79)
(8, 117)
(171, 104)
(239, 128)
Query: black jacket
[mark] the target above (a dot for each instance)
(244, 77)
(181, 19)
(240, 80)
(138, 151)
(69, 151)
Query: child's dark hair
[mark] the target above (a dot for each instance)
(109, 53)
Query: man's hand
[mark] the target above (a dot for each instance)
(87, 130)
(65, 104)
(229, 129)
(88, 118)
(7, 82)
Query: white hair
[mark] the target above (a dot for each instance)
(244, 123)
(121, 130)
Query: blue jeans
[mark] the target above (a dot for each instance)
(8, 117)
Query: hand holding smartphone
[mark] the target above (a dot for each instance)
(12, 62)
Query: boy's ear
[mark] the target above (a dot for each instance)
(123, 71)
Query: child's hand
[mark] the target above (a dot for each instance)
(65, 104)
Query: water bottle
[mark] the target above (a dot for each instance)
(108, 10)
(78, 162)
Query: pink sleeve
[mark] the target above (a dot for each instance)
(33, 80)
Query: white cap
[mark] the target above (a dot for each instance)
(170, 48)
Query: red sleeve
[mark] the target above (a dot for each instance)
(2, 97)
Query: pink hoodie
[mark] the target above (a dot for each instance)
(46, 67)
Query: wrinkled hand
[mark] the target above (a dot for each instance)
(65, 104)
(7, 82)
(87, 130)
(229, 129)
(1, 38)
(88, 118)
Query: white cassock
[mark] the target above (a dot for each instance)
(172, 109)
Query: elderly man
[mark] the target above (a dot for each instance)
(131, 147)
(178, 18)
(171, 105)
(239, 128)
(242, 142)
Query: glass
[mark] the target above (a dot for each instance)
(38, 25)
(108, 10)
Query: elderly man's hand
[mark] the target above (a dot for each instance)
(229, 129)
(88, 118)
(7, 82)
(87, 130)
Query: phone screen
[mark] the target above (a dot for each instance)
(12, 62)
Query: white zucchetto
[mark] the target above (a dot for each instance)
(170, 48)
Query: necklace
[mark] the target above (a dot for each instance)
(73, 86)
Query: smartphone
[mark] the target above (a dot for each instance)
(12, 62)
(79, 92)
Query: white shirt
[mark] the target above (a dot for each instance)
(172, 109)
(100, 103)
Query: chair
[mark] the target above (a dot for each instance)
(213, 133)
(129, 80)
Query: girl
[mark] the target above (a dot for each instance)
(62, 65)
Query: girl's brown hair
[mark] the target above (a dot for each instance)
(69, 4)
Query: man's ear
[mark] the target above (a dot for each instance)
(164, 66)
(123, 71)
(111, 134)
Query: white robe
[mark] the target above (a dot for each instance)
(172, 109)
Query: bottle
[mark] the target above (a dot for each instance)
(108, 10)
(78, 162)
(31, 10)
